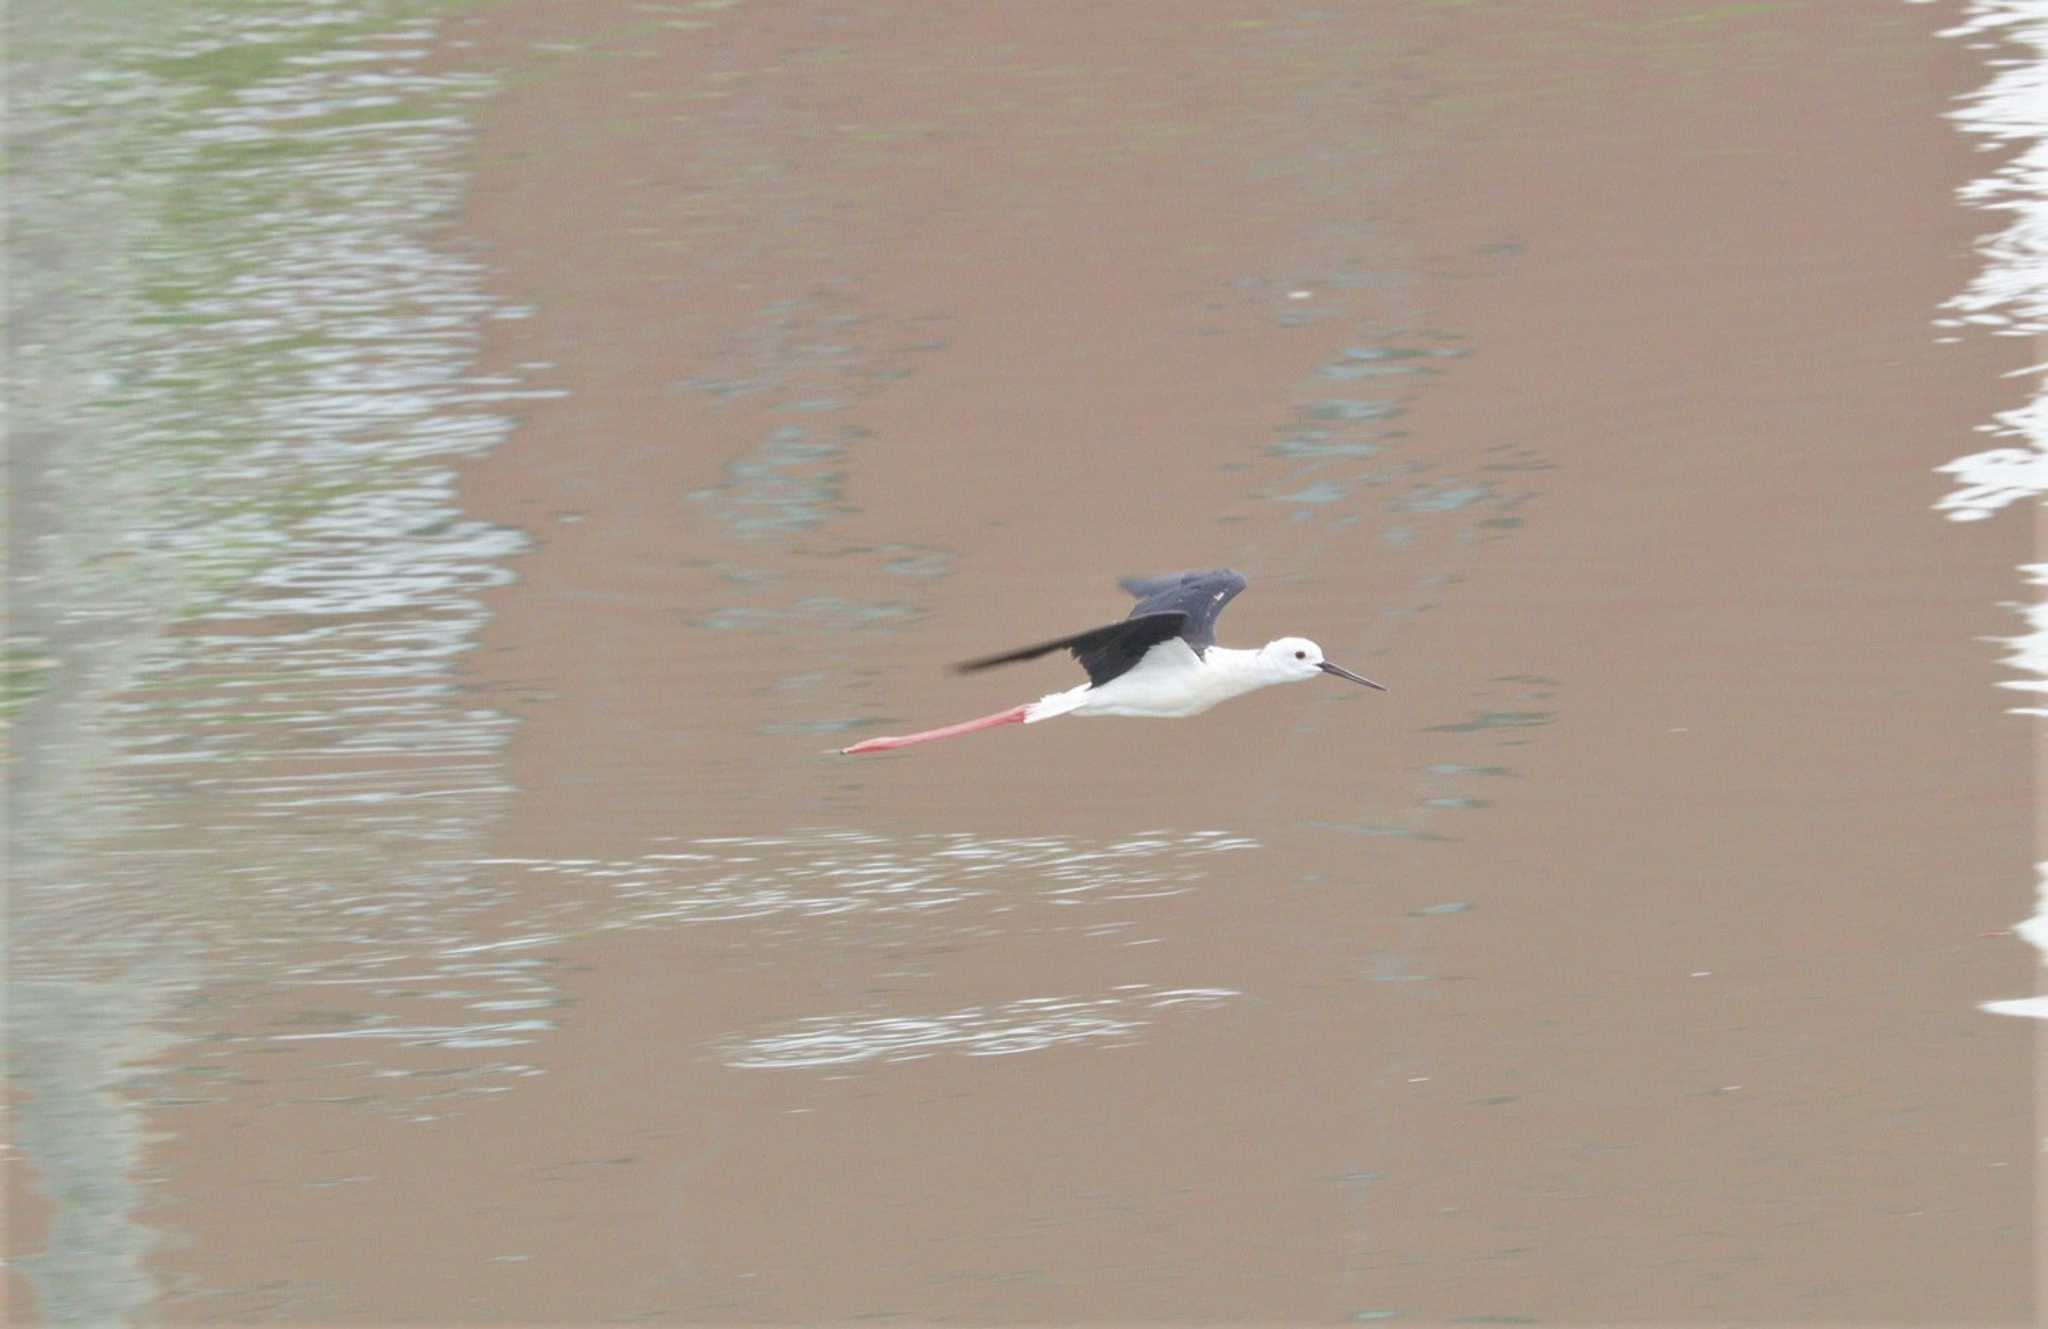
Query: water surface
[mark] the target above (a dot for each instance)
(503, 449)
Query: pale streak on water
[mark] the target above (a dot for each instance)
(792, 890)
(954, 886)
(833, 872)
(2009, 298)
(1030, 1024)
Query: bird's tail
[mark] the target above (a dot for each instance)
(1058, 703)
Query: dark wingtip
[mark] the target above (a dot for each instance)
(1153, 583)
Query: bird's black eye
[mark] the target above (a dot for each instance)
(1301, 655)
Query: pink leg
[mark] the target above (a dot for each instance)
(1015, 715)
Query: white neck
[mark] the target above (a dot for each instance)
(1238, 672)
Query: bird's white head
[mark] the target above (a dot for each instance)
(1292, 659)
(1297, 659)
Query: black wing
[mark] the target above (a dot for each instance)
(1104, 652)
(1199, 595)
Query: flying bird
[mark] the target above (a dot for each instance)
(1161, 661)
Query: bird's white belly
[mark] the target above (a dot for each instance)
(1171, 681)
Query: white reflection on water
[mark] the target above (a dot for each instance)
(507, 1033)
(824, 873)
(2034, 931)
(1032, 1024)
(903, 890)
(2009, 298)
(2009, 295)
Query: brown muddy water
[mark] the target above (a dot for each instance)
(510, 446)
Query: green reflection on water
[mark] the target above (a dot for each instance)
(244, 368)
(1462, 768)
(1339, 409)
(25, 672)
(1494, 720)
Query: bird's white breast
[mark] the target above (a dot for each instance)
(1172, 681)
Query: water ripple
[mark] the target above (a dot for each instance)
(835, 872)
(1030, 1024)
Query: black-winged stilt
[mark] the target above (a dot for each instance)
(1161, 661)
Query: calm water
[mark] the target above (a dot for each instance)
(470, 460)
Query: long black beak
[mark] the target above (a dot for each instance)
(1341, 672)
